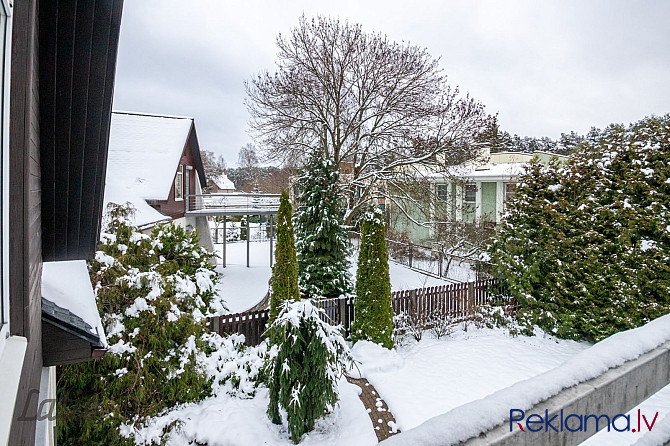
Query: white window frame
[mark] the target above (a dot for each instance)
(179, 180)
(442, 197)
(5, 70)
(506, 193)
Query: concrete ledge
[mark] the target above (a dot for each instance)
(615, 392)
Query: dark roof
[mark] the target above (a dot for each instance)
(195, 149)
(69, 322)
(78, 44)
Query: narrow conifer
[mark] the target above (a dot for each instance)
(284, 281)
(373, 305)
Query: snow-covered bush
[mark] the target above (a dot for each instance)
(310, 359)
(321, 239)
(236, 370)
(154, 293)
(373, 306)
(441, 323)
(585, 247)
(408, 324)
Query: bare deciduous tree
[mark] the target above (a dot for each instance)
(214, 166)
(383, 111)
(248, 160)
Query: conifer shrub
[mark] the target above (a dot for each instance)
(321, 239)
(154, 293)
(585, 246)
(303, 376)
(373, 306)
(284, 280)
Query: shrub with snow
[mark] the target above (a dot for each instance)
(154, 293)
(585, 247)
(310, 359)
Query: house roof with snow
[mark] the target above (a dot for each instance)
(145, 149)
(223, 182)
(144, 215)
(498, 166)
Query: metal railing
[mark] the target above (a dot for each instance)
(232, 202)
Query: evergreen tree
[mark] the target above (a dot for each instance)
(154, 293)
(373, 306)
(321, 238)
(312, 356)
(585, 247)
(284, 281)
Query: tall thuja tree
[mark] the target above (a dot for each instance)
(321, 238)
(585, 247)
(373, 305)
(284, 281)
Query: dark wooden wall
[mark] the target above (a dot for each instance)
(77, 56)
(25, 253)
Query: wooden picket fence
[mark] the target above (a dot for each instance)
(457, 300)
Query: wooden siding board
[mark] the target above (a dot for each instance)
(113, 43)
(25, 243)
(64, 58)
(95, 133)
(81, 69)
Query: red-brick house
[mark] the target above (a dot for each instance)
(154, 163)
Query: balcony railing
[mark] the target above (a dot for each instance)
(240, 203)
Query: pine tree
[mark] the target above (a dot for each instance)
(284, 281)
(321, 238)
(312, 356)
(154, 293)
(373, 306)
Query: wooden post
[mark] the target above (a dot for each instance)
(225, 236)
(272, 233)
(410, 254)
(439, 262)
(471, 298)
(248, 238)
(216, 324)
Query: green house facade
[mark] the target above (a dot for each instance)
(474, 193)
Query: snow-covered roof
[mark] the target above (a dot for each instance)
(67, 284)
(222, 182)
(492, 171)
(144, 215)
(144, 151)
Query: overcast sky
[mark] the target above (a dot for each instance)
(545, 67)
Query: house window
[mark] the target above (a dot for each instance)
(443, 192)
(510, 192)
(469, 203)
(5, 40)
(470, 193)
(179, 184)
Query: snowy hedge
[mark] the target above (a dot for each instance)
(585, 247)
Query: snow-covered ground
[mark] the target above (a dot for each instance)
(243, 287)
(424, 379)
(225, 420)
